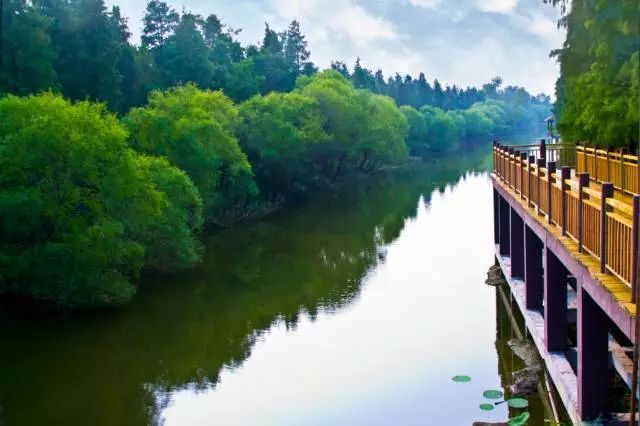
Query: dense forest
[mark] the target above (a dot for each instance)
(598, 91)
(114, 156)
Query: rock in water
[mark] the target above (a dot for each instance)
(495, 277)
(526, 351)
(525, 381)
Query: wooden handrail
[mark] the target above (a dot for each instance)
(619, 168)
(604, 225)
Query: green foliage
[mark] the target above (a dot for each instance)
(192, 129)
(77, 206)
(171, 240)
(443, 133)
(324, 129)
(417, 139)
(598, 88)
(86, 204)
(365, 131)
(26, 58)
(185, 55)
(279, 133)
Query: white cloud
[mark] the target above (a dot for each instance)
(497, 6)
(426, 4)
(462, 42)
(340, 19)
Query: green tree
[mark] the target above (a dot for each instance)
(26, 54)
(171, 241)
(77, 205)
(159, 22)
(185, 58)
(596, 100)
(193, 130)
(295, 47)
(278, 132)
(417, 139)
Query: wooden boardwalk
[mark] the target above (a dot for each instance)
(569, 203)
(567, 222)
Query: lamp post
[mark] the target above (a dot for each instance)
(551, 125)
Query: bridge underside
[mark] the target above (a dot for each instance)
(576, 315)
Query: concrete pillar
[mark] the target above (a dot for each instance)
(517, 245)
(555, 303)
(533, 270)
(496, 216)
(593, 357)
(504, 227)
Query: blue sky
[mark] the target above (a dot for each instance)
(463, 42)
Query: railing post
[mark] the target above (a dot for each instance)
(595, 162)
(516, 158)
(565, 173)
(622, 154)
(608, 166)
(501, 150)
(497, 163)
(638, 170)
(551, 169)
(635, 257)
(510, 173)
(543, 150)
(607, 192)
(583, 182)
(540, 164)
(523, 160)
(531, 160)
(494, 157)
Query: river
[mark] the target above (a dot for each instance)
(354, 308)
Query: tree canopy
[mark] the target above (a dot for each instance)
(79, 210)
(117, 155)
(193, 130)
(598, 88)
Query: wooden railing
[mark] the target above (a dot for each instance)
(619, 168)
(603, 226)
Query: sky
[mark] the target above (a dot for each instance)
(461, 42)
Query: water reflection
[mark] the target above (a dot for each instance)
(354, 308)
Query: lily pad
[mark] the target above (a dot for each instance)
(519, 420)
(492, 394)
(518, 403)
(461, 379)
(486, 407)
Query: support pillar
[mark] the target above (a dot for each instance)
(496, 216)
(504, 227)
(533, 270)
(555, 303)
(593, 357)
(517, 245)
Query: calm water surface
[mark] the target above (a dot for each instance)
(355, 308)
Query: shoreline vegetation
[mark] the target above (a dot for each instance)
(98, 186)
